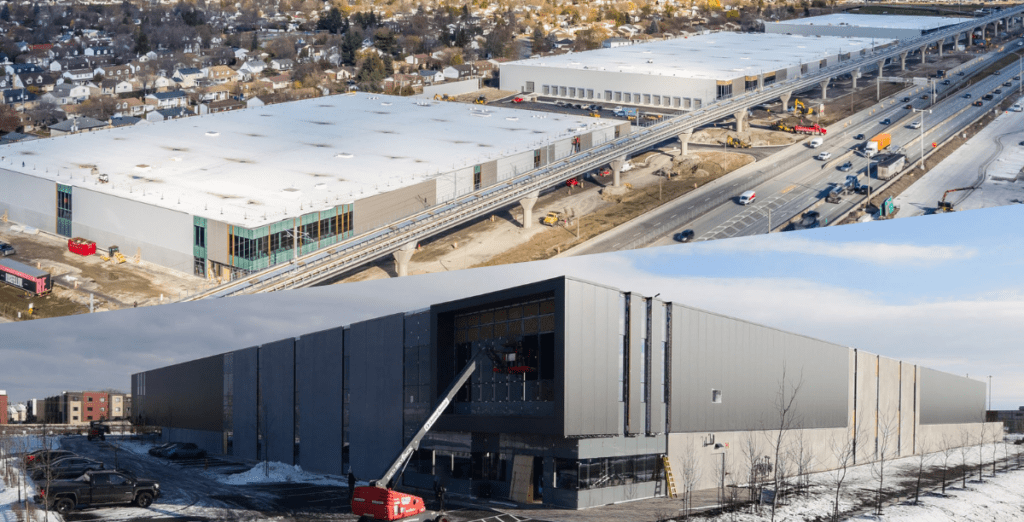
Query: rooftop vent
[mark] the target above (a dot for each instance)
(212, 133)
(512, 118)
(320, 186)
(344, 155)
(291, 193)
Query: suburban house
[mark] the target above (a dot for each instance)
(42, 81)
(430, 77)
(459, 72)
(167, 100)
(12, 96)
(76, 125)
(215, 93)
(252, 68)
(219, 74)
(116, 72)
(168, 114)
(101, 50)
(221, 106)
(280, 81)
(129, 107)
(67, 94)
(187, 77)
(282, 64)
(126, 121)
(400, 81)
(78, 75)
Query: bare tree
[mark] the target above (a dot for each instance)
(922, 457)
(803, 460)
(948, 446)
(754, 463)
(778, 427)
(981, 453)
(965, 449)
(842, 451)
(689, 473)
(885, 451)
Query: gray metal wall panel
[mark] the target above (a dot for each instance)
(657, 398)
(591, 365)
(950, 399)
(216, 241)
(163, 236)
(379, 210)
(745, 361)
(319, 361)
(30, 200)
(277, 397)
(244, 407)
(636, 327)
(188, 395)
(375, 416)
(489, 173)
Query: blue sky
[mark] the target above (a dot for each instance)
(940, 291)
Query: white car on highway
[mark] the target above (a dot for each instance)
(824, 156)
(916, 124)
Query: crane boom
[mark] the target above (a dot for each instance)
(446, 399)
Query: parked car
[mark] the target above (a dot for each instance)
(66, 468)
(40, 457)
(824, 156)
(924, 96)
(845, 167)
(155, 450)
(6, 249)
(162, 451)
(98, 488)
(185, 450)
(685, 236)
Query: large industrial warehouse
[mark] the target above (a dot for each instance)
(226, 194)
(891, 27)
(680, 74)
(606, 383)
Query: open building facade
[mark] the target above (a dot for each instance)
(607, 383)
(231, 193)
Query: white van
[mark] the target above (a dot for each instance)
(747, 197)
(816, 142)
(1016, 108)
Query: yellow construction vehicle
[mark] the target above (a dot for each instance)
(443, 97)
(115, 255)
(736, 143)
(780, 126)
(595, 115)
(800, 108)
(482, 100)
(552, 218)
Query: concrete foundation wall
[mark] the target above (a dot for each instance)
(319, 361)
(163, 236)
(29, 200)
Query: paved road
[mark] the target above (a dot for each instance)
(800, 180)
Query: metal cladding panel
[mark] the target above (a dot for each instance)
(392, 205)
(216, 241)
(888, 403)
(244, 407)
(375, 407)
(489, 173)
(908, 407)
(746, 362)
(277, 400)
(591, 364)
(29, 200)
(164, 236)
(637, 307)
(866, 407)
(189, 395)
(951, 399)
(657, 364)
(319, 361)
(211, 441)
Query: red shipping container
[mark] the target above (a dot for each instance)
(385, 504)
(81, 246)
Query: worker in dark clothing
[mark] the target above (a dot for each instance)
(439, 493)
(351, 484)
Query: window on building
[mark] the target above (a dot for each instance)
(89, 417)
(199, 236)
(716, 396)
(476, 178)
(103, 399)
(74, 408)
(536, 159)
(103, 409)
(89, 408)
(117, 410)
(623, 343)
(117, 399)
(88, 399)
(75, 417)
(199, 266)
(724, 91)
(618, 96)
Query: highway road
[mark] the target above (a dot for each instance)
(792, 180)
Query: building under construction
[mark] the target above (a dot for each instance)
(606, 388)
(235, 192)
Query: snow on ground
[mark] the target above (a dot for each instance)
(9, 494)
(274, 472)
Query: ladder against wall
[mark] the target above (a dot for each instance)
(670, 480)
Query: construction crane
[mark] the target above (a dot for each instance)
(947, 206)
(736, 143)
(379, 501)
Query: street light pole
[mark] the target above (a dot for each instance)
(922, 111)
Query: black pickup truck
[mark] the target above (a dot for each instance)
(98, 488)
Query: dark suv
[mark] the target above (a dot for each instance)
(6, 249)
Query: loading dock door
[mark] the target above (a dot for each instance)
(521, 489)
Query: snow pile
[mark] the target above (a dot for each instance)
(998, 498)
(1014, 437)
(275, 472)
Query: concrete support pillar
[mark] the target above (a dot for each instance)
(760, 82)
(903, 61)
(856, 74)
(940, 48)
(924, 50)
(402, 257)
(741, 120)
(684, 141)
(785, 101)
(527, 204)
(616, 166)
(824, 89)
(970, 38)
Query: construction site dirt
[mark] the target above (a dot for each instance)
(79, 280)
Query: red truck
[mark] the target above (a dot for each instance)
(810, 129)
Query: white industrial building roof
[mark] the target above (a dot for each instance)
(261, 165)
(922, 23)
(715, 56)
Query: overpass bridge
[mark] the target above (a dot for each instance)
(400, 239)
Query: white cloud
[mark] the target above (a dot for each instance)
(862, 251)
